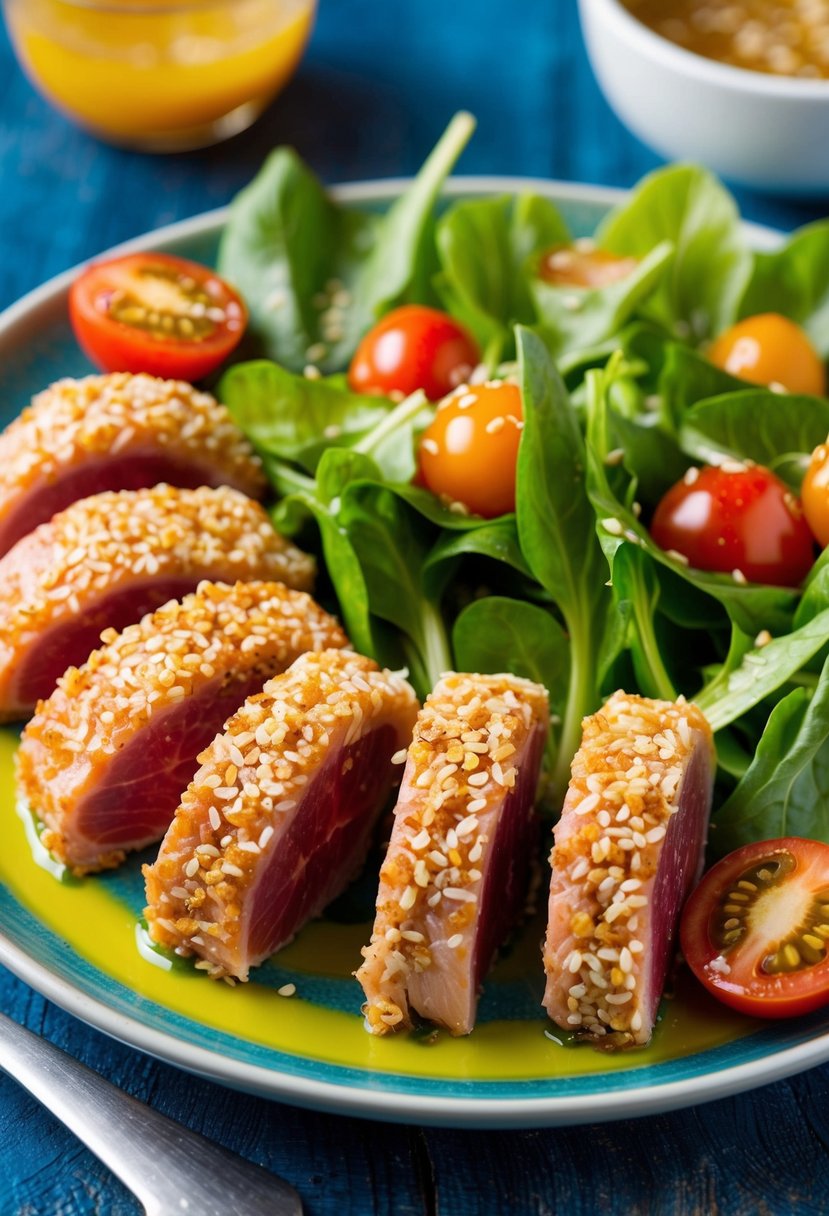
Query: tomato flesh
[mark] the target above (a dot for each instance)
(737, 519)
(755, 931)
(469, 452)
(413, 348)
(770, 349)
(155, 313)
(584, 266)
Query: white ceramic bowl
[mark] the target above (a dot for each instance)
(771, 132)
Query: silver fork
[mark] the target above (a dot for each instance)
(172, 1171)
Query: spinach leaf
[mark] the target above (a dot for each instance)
(292, 417)
(576, 319)
(496, 540)
(686, 378)
(316, 275)
(498, 634)
(612, 489)
(636, 592)
(786, 789)
(485, 247)
(794, 281)
(556, 529)
(687, 206)
(773, 429)
(762, 672)
(391, 545)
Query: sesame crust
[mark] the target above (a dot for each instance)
(122, 540)
(100, 417)
(218, 633)
(459, 766)
(245, 795)
(624, 790)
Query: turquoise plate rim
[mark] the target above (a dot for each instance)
(95, 998)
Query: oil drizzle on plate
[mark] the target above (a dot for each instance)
(97, 917)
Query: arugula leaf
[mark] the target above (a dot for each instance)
(794, 281)
(686, 205)
(556, 529)
(774, 429)
(295, 418)
(484, 247)
(316, 275)
(575, 319)
(786, 789)
(762, 672)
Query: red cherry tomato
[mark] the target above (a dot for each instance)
(413, 348)
(815, 494)
(736, 518)
(755, 930)
(577, 266)
(468, 454)
(770, 349)
(155, 313)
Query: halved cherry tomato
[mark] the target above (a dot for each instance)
(413, 348)
(468, 454)
(584, 266)
(770, 349)
(155, 313)
(815, 494)
(736, 518)
(755, 930)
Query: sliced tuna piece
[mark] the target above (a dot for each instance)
(455, 878)
(628, 849)
(108, 560)
(103, 762)
(117, 432)
(277, 821)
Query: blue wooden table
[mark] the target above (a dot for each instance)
(376, 87)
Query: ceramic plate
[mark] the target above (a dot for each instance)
(78, 942)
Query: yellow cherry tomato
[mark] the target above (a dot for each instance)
(468, 454)
(770, 349)
(584, 266)
(815, 494)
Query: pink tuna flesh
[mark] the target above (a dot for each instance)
(504, 894)
(137, 798)
(325, 844)
(680, 865)
(70, 642)
(134, 471)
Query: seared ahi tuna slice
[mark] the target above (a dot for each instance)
(107, 560)
(103, 762)
(118, 432)
(628, 848)
(277, 820)
(455, 878)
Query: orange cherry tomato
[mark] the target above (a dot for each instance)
(413, 348)
(770, 349)
(584, 266)
(468, 454)
(156, 313)
(815, 494)
(738, 517)
(755, 930)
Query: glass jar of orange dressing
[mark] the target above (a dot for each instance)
(160, 75)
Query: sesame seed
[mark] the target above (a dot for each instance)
(455, 940)
(287, 990)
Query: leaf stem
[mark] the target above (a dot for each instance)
(396, 418)
(579, 694)
(436, 652)
(661, 681)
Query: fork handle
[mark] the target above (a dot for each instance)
(171, 1170)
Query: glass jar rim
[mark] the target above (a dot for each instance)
(140, 7)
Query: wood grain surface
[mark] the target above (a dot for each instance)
(376, 88)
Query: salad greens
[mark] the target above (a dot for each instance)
(618, 401)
